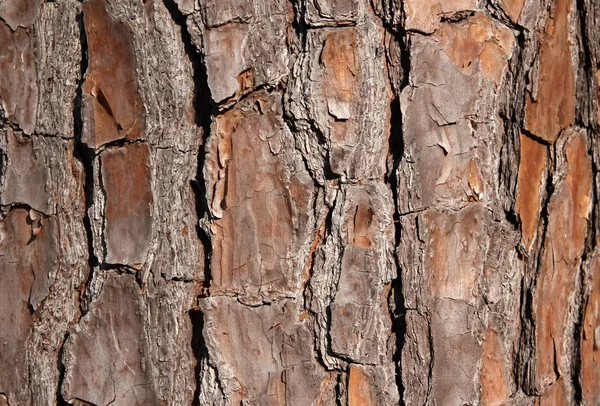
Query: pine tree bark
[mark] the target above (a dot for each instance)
(299, 202)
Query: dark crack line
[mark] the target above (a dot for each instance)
(60, 400)
(84, 154)
(204, 111)
(590, 244)
(396, 148)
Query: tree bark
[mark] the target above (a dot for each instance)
(299, 202)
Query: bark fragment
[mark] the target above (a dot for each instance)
(447, 109)
(275, 366)
(261, 195)
(20, 12)
(58, 66)
(298, 202)
(426, 16)
(590, 340)
(25, 176)
(28, 267)
(244, 44)
(568, 212)
(339, 87)
(18, 88)
(106, 357)
(111, 103)
(551, 107)
(533, 161)
(358, 318)
(128, 228)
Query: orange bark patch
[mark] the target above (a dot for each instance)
(126, 180)
(493, 380)
(313, 247)
(362, 222)
(360, 388)
(246, 80)
(342, 74)
(513, 8)
(478, 38)
(567, 229)
(475, 181)
(590, 340)
(553, 109)
(531, 174)
(454, 255)
(339, 58)
(110, 81)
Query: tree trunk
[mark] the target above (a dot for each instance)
(306, 202)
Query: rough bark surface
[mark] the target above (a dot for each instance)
(299, 202)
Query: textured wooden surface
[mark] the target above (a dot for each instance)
(299, 202)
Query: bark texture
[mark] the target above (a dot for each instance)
(299, 202)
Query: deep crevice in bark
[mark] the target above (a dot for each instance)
(396, 148)
(118, 143)
(399, 321)
(84, 154)
(60, 400)
(340, 392)
(198, 348)
(203, 111)
(577, 334)
(512, 115)
(299, 23)
(431, 360)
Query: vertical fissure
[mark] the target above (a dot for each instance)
(590, 243)
(60, 400)
(85, 156)
(198, 348)
(396, 149)
(524, 362)
(399, 307)
(203, 112)
(585, 118)
(299, 23)
(203, 115)
(512, 114)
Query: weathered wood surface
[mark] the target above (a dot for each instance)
(299, 202)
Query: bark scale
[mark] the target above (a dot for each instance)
(307, 202)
